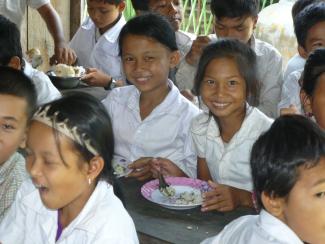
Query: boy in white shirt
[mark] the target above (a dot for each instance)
(15, 11)
(288, 168)
(11, 55)
(17, 105)
(237, 19)
(96, 43)
(310, 31)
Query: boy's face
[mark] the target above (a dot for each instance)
(13, 120)
(315, 39)
(240, 28)
(104, 14)
(317, 101)
(171, 9)
(304, 209)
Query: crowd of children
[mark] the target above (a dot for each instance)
(56, 152)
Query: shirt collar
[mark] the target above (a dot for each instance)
(276, 228)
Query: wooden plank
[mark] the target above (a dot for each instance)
(75, 16)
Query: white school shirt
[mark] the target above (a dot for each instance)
(269, 72)
(46, 91)
(164, 133)
(295, 63)
(102, 220)
(103, 54)
(255, 229)
(229, 164)
(15, 10)
(290, 93)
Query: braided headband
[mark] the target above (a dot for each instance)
(62, 127)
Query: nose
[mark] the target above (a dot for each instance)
(139, 65)
(33, 167)
(219, 90)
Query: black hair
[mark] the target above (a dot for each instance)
(14, 82)
(234, 8)
(306, 19)
(150, 25)
(314, 68)
(115, 2)
(142, 5)
(244, 57)
(299, 5)
(9, 41)
(291, 142)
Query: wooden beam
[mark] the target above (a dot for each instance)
(75, 16)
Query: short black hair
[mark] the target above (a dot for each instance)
(299, 5)
(234, 8)
(244, 57)
(306, 19)
(142, 5)
(314, 68)
(152, 26)
(292, 141)
(14, 82)
(9, 41)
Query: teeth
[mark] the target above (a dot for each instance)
(39, 186)
(220, 105)
(142, 79)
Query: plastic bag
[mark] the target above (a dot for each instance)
(275, 26)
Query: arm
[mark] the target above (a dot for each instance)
(62, 53)
(203, 172)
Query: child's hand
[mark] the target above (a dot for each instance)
(64, 54)
(95, 77)
(225, 198)
(166, 167)
(291, 110)
(141, 169)
(195, 53)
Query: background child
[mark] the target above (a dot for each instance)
(17, 104)
(15, 11)
(11, 55)
(96, 43)
(226, 82)
(312, 93)
(237, 19)
(156, 118)
(68, 197)
(172, 10)
(310, 32)
(288, 168)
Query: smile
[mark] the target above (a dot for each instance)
(220, 105)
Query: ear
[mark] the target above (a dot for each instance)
(305, 101)
(302, 52)
(15, 63)
(121, 6)
(274, 205)
(96, 165)
(175, 57)
(255, 19)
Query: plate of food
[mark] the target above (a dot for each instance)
(120, 167)
(187, 193)
(65, 76)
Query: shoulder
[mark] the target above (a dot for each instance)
(121, 95)
(257, 120)
(180, 105)
(37, 3)
(266, 50)
(199, 125)
(20, 172)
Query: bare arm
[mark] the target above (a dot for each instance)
(203, 172)
(62, 53)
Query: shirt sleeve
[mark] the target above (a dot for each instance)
(35, 4)
(185, 75)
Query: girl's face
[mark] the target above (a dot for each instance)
(59, 185)
(223, 89)
(104, 14)
(147, 62)
(304, 209)
(318, 101)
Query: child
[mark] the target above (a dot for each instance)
(15, 11)
(237, 19)
(172, 10)
(226, 82)
(153, 129)
(17, 104)
(69, 198)
(288, 168)
(310, 31)
(96, 44)
(11, 55)
(312, 93)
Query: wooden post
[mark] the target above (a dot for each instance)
(76, 7)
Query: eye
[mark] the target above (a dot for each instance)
(240, 28)
(232, 83)
(320, 194)
(210, 82)
(128, 59)
(149, 58)
(7, 127)
(317, 44)
(103, 11)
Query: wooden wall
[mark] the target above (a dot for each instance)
(35, 34)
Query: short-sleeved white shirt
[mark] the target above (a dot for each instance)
(102, 220)
(46, 91)
(294, 64)
(102, 54)
(255, 229)
(229, 165)
(15, 9)
(164, 133)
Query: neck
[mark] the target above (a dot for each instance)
(229, 125)
(106, 28)
(69, 212)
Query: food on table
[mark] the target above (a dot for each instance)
(186, 198)
(63, 70)
(168, 191)
(119, 169)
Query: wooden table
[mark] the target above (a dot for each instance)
(156, 224)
